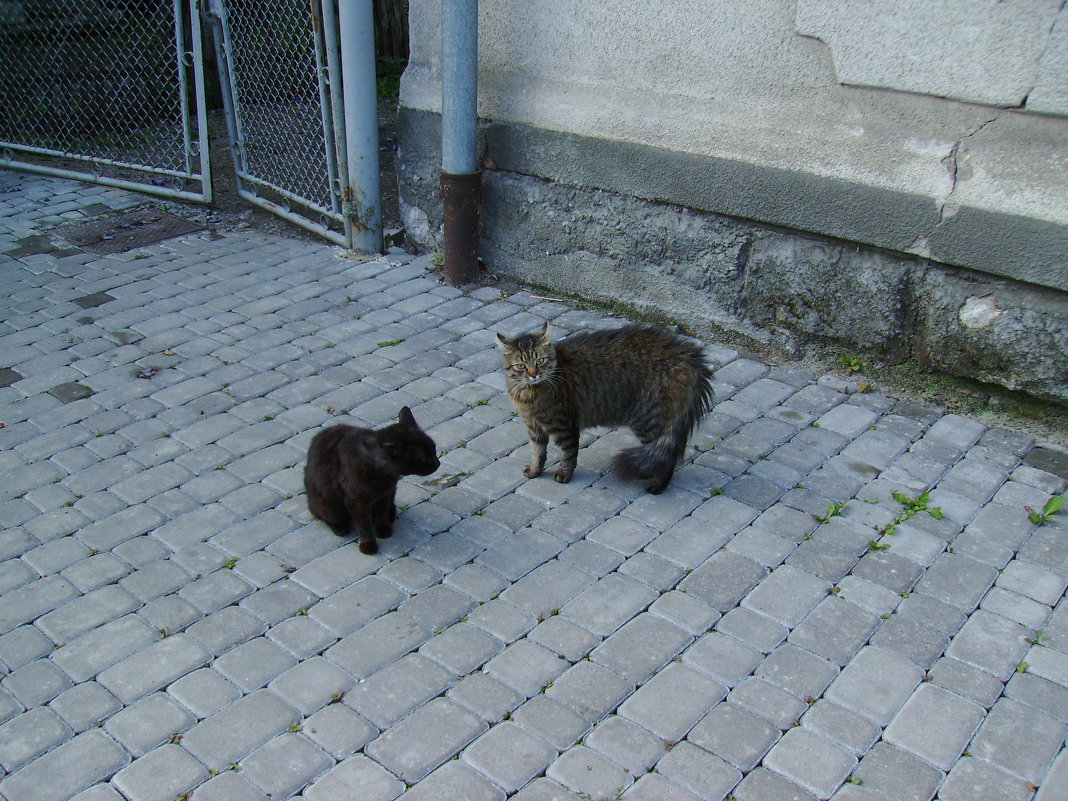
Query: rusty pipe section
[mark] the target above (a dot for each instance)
(459, 197)
(460, 177)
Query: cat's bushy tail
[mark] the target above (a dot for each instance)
(655, 462)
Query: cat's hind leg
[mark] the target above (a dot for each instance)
(331, 511)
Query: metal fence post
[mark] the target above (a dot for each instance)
(362, 194)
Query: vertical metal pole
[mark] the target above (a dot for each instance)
(460, 177)
(201, 100)
(356, 20)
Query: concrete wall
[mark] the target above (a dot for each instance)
(835, 171)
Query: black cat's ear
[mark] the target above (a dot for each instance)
(407, 418)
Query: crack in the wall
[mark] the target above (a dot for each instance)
(1042, 53)
(952, 163)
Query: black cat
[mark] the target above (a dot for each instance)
(352, 473)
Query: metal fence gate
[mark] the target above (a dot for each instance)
(100, 90)
(280, 78)
(114, 92)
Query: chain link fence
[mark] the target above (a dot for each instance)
(102, 90)
(279, 60)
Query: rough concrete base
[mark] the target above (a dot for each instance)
(776, 287)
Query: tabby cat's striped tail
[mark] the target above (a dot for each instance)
(655, 462)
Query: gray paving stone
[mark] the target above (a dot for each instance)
(162, 774)
(698, 771)
(437, 607)
(1040, 693)
(103, 647)
(990, 642)
(654, 787)
(966, 681)
(29, 735)
(811, 760)
(36, 683)
(29, 602)
(876, 684)
(85, 705)
(586, 772)
(936, 725)
(605, 606)
(787, 595)
(765, 785)
(86, 613)
(723, 579)
(509, 756)
(641, 647)
(363, 601)
(888, 772)
(285, 765)
(547, 587)
(222, 630)
(689, 614)
(797, 671)
(153, 667)
(724, 658)
(461, 648)
(355, 777)
(1019, 739)
(849, 729)
(589, 690)
(487, 697)
(974, 778)
(338, 730)
(635, 749)
(908, 638)
(204, 692)
(735, 735)
(526, 667)
(835, 630)
(425, 739)
(502, 620)
(238, 729)
(672, 701)
(752, 628)
(66, 770)
(455, 780)
(689, 542)
(1056, 781)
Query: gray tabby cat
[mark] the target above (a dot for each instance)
(653, 381)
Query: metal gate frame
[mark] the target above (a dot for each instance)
(344, 64)
(195, 145)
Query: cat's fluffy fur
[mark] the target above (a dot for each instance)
(646, 378)
(352, 473)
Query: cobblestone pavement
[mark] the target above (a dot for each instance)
(174, 625)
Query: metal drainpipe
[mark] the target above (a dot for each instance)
(362, 195)
(461, 180)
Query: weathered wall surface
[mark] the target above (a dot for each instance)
(780, 171)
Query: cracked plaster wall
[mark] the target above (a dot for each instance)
(738, 112)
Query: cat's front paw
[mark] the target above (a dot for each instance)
(368, 545)
(530, 471)
(384, 532)
(562, 475)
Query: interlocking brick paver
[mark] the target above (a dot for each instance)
(876, 683)
(592, 621)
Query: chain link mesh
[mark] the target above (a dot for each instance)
(95, 81)
(275, 76)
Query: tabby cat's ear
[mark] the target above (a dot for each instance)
(542, 334)
(407, 418)
(506, 343)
